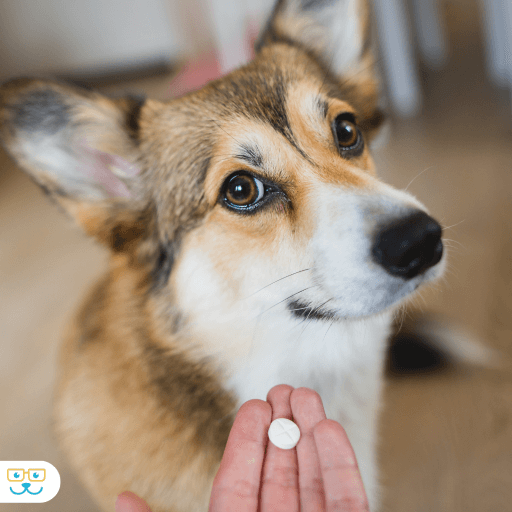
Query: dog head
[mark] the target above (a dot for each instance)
(258, 189)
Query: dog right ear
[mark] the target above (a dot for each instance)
(338, 34)
(81, 148)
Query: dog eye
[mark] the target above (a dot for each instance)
(243, 190)
(347, 135)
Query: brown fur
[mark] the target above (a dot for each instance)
(137, 408)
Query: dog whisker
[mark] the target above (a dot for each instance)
(453, 225)
(307, 317)
(289, 297)
(323, 304)
(228, 134)
(420, 296)
(305, 327)
(402, 311)
(277, 280)
(312, 308)
(299, 309)
(449, 244)
(311, 311)
(330, 325)
(417, 176)
(452, 240)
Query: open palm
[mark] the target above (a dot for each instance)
(319, 475)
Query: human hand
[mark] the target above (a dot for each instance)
(319, 475)
(130, 502)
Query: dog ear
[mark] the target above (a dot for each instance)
(80, 147)
(338, 34)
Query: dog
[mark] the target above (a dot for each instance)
(252, 244)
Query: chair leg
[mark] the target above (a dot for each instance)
(497, 40)
(398, 56)
(430, 32)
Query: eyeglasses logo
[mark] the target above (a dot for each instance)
(28, 481)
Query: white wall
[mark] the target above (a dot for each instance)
(61, 36)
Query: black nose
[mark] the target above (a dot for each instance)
(409, 246)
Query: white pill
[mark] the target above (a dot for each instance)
(284, 433)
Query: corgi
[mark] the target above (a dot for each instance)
(252, 244)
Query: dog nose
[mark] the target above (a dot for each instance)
(25, 485)
(408, 247)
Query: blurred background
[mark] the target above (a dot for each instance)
(446, 436)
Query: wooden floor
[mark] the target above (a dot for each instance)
(446, 439)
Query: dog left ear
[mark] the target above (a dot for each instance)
(338, 34)
(82, 149)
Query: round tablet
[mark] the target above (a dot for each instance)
(284, 433)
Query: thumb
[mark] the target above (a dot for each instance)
(130, 502)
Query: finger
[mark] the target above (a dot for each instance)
(279, 483)
(308, 410)
(130, 502)
(237, 483)
(343, 485)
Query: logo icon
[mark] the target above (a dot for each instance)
(33, 475)
(28, 481)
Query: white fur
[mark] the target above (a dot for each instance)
(342, 361)
(348, 221)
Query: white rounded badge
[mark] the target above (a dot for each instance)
(284, 433)
(28, 481)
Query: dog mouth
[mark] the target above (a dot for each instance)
(307, 310)
(304, 311)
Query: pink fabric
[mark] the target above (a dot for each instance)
(194, 74)
(197, 72)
